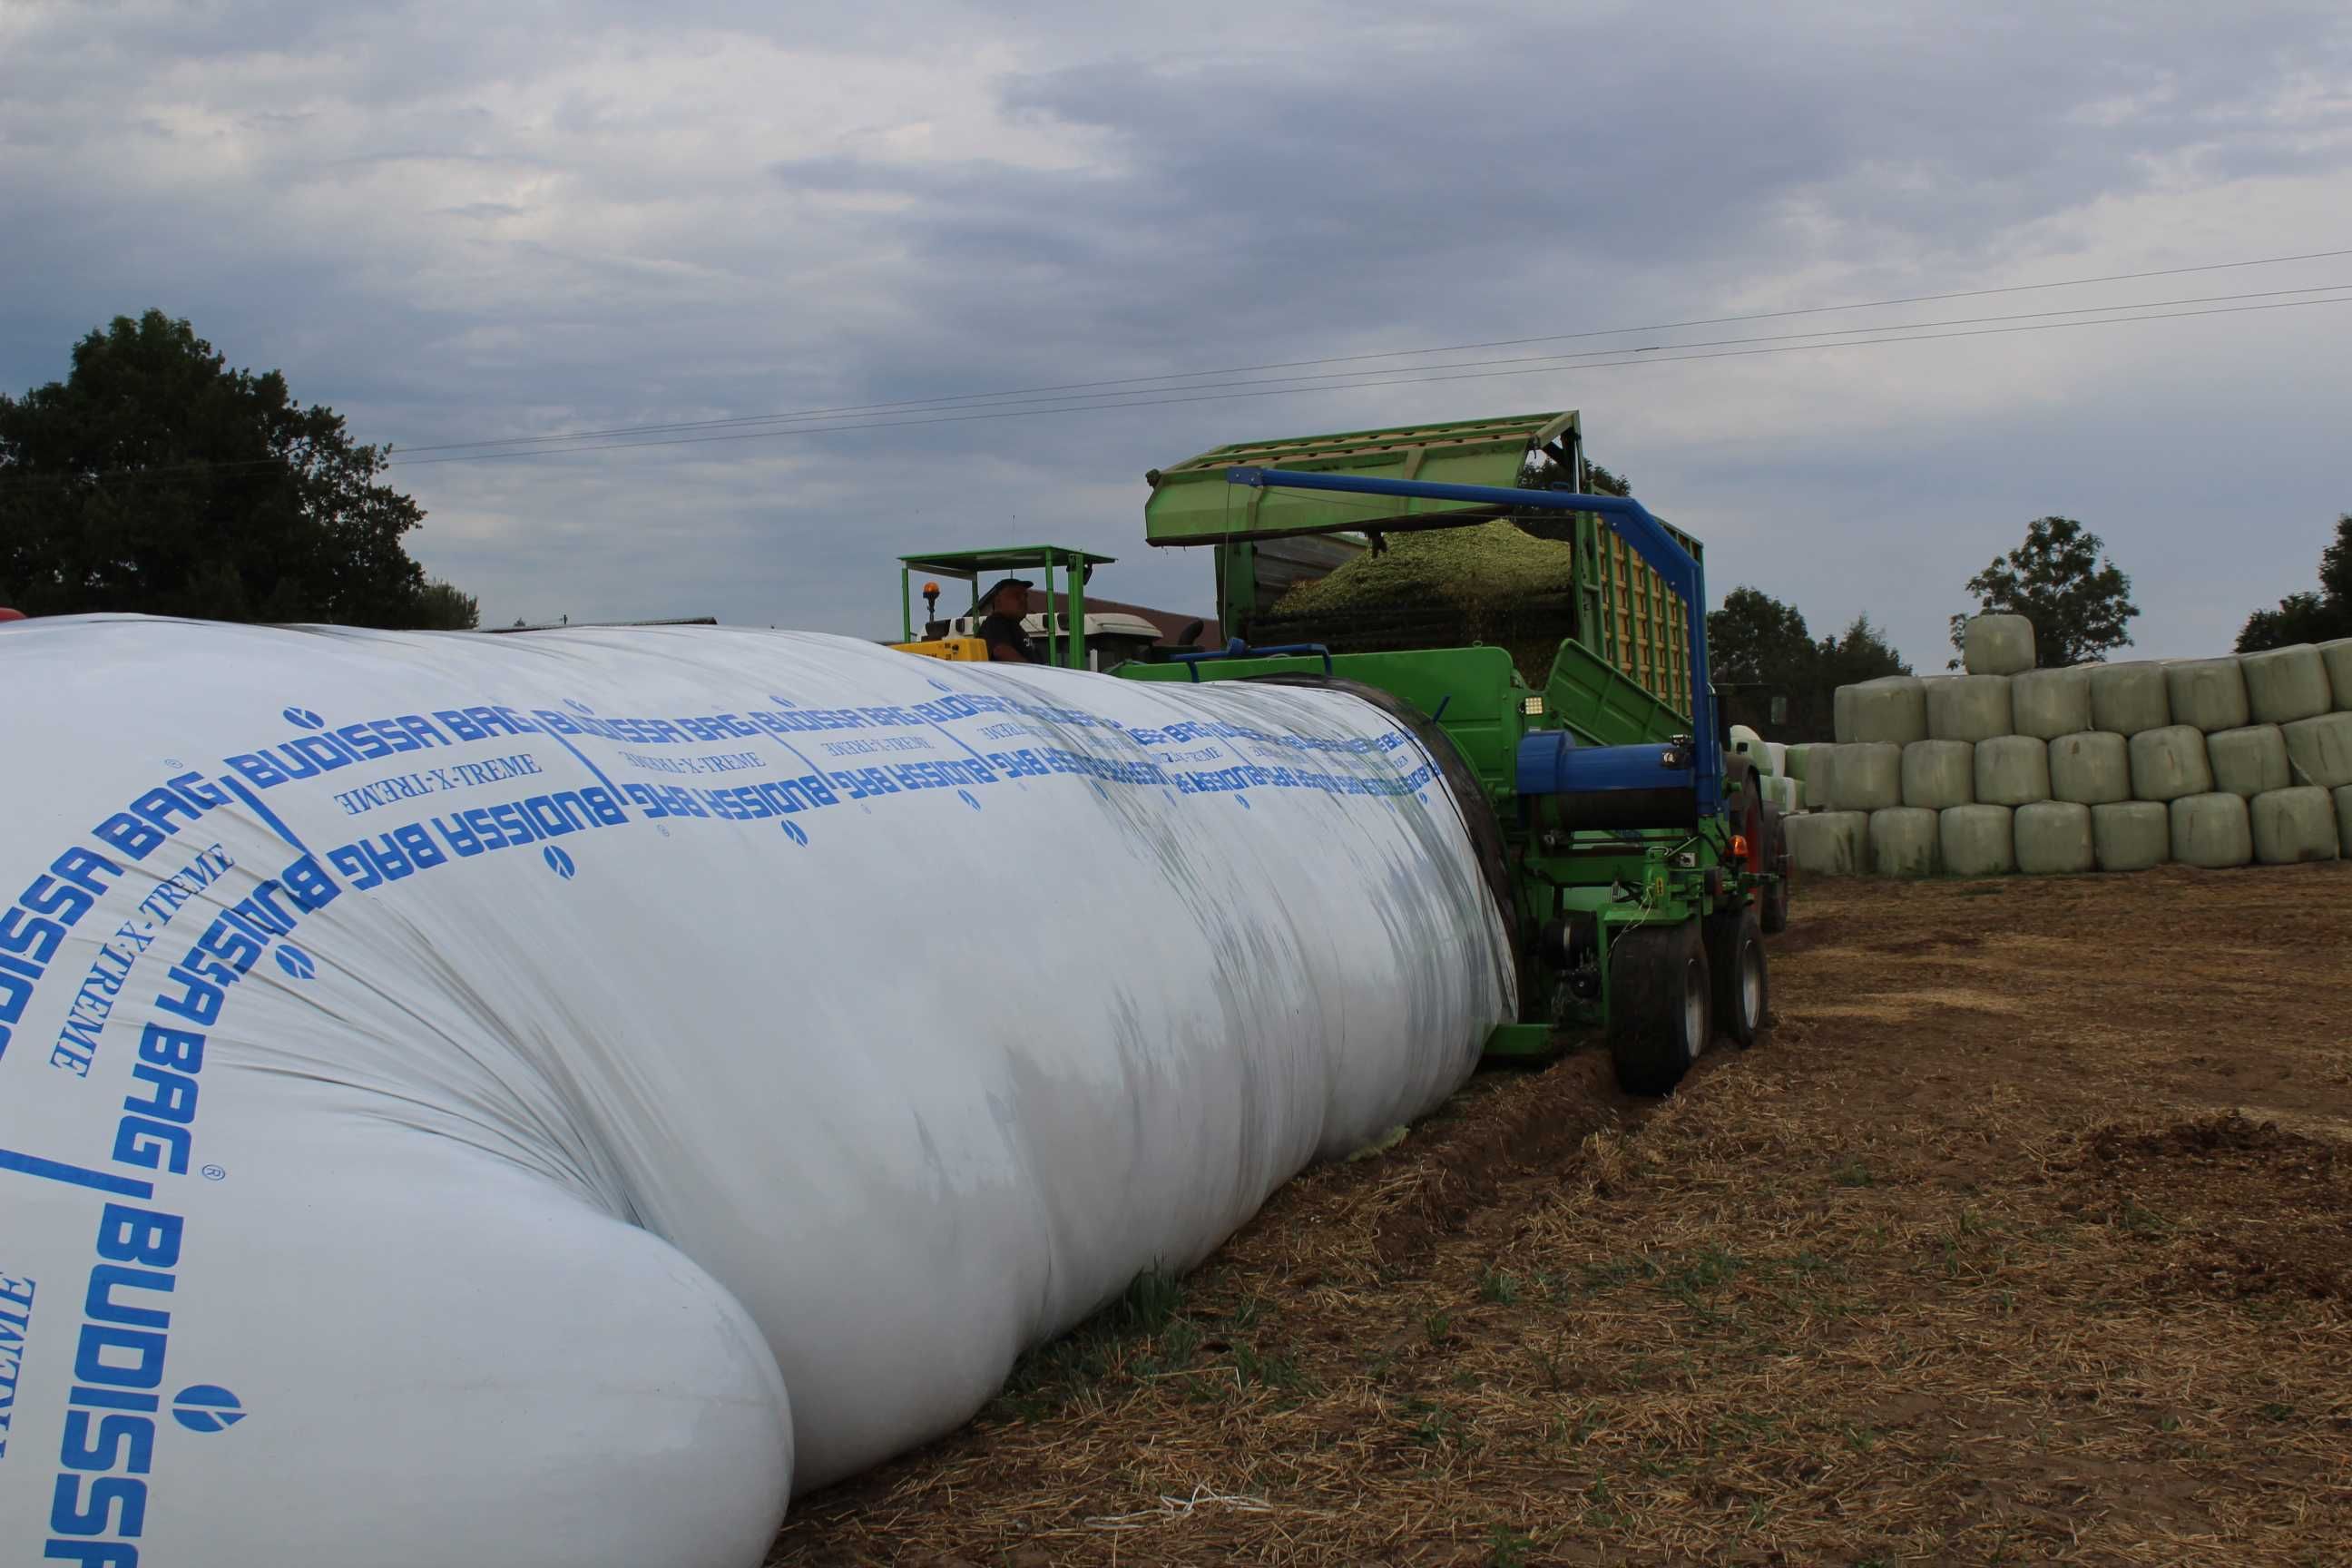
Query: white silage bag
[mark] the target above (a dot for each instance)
(2054, 839)
(1939, 773)
(1997, 645)
(2284, 684)
(2128, 698)
(2012, 770)
(542, 1099)
(2131, 835)
(2320, 749)
(1891, 711)
(1869, 777)
(2293, 824)
(1903, 842)
(2249, 762)
(2170, 762)
(1829, 843)
(1975, 841)
(2209, 693)
(2211, 830)
(1969, 707)
(2092, 768)
(2337, 656)
(2048, 703)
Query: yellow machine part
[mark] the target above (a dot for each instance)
(968, 650)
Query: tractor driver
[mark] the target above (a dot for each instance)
(1006, 604)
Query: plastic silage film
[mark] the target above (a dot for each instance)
(2293, 824)
(2131, 836)
(2249, 762)
(1969, 707)
(2284, 684)
(1939, 773)
(2092, 768)
(1976, 841)
(2048, 703)
(1997, 645)
(2211, 830)
(2208, 694)
(2128, 698)
(542, 1099)
(1903, 842)
(1891, 711)
(2054, 838)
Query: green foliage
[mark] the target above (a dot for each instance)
(155, 479)
(1757, 641)
(2078, 600)
(443, 607)
(2320, 617)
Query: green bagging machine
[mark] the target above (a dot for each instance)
(1633, 856)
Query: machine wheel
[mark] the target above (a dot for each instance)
(1772, 902)
(1659, 1004)
(1735, 958)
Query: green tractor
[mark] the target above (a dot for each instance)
(1637, 860)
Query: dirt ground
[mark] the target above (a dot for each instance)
(2025, 1235)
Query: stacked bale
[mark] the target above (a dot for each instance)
(2113, 767)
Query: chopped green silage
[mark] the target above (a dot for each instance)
(1470, 567)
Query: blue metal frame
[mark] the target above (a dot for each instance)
(1240, 649)
(1644, 533)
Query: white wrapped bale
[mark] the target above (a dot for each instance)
(2337, 656)
(1829, 843)
(2131, 835)
(2249, 762)
(1842, 716)
(2211, 830)
(1741, 741)
(1975, 841)
(1869, 777)
(1779, 756)
(2092, 768)
(1939, 773)
(2209, 693)
(1821, 778)
(1903, 842)
(2012, 770)
(2054, 839)
(2283, 684)
(2048, 703)
(2130, 698)
(1997, 645)
(1796, 762)
(2294, 825)
(2170, 762)
(1789, 795)
(2320, 749)
(1969, 707)
(1892, 709)
(2341, 794)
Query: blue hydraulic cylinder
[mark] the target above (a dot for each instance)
(1551, 763)
(1644, 533)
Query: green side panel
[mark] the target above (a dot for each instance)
(1474, 694)
(1601, 705)
(1192, 503)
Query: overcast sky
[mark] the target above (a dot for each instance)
(460, 221)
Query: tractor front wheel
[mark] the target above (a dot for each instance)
(1660, 1005)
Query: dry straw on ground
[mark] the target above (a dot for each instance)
(2026, 1235)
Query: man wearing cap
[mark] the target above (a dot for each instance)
(1007, 603)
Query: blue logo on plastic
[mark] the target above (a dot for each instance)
(969, 799)
(300, 965)
(559, 861)
(782, 702)
(577, 706)
(939, 685)
(206, 1407)
(795, 832)
(302, 718)
(1244, 800)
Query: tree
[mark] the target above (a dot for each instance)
(1760, 648)
(2303, 617)
(2077, 598)
(1756, 637)
(155, 479)
(443, 607)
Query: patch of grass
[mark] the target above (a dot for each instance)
(1438, 1326)
(1507, 1548)
(1853, 1173)
(1500, 1288)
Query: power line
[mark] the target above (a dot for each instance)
(1259, 390)
(1341, 379)
(906, 404)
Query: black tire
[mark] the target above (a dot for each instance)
(1742, 980)
(1660, 1005)
(1773, 903)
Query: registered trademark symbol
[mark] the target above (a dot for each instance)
(213, 1174)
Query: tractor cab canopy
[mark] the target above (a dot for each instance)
(1064, 635)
